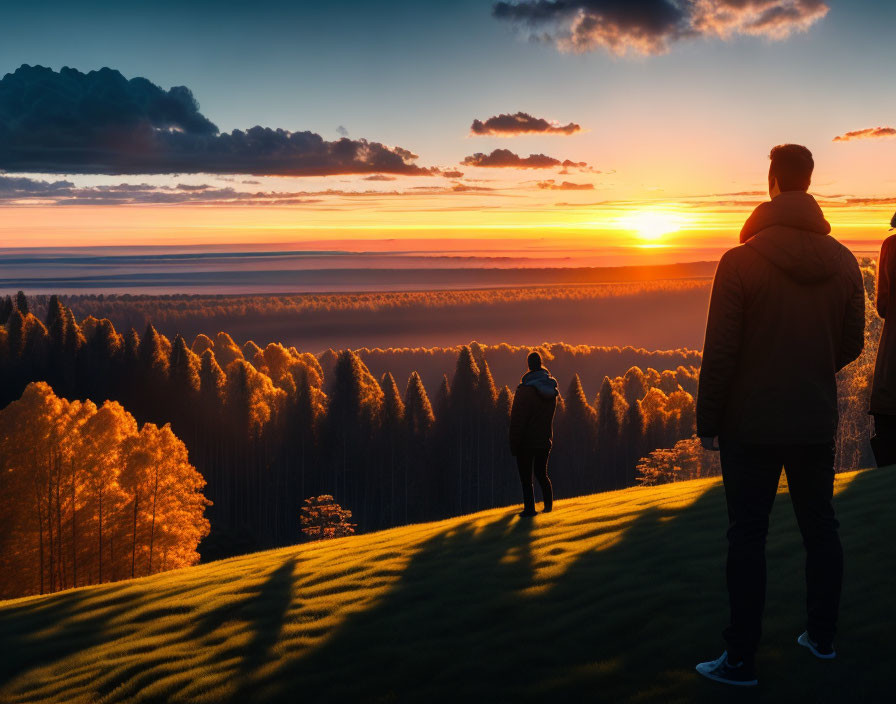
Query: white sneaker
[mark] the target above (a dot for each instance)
(721, 670)
(819, 650)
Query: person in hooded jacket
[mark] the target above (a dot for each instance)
(786, 313)
(883, 388)
(531, 421)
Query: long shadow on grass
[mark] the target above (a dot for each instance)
(40, 632)
(468, 622)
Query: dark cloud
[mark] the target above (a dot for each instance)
(16, 190)
(867, 133)
(520, 123)
(650, 26)
(100, 122)
(12, 187)
(504, 158)
(453, 174)
(379, 177)
(550, 184)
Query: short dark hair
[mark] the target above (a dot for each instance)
(534, 361)
(792, 166)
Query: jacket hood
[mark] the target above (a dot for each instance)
(542, 381)
(791, 232)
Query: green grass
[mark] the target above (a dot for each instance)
(611, 598)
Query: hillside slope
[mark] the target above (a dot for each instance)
(611, 598)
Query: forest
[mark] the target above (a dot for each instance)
(268, 427)
(614, 313)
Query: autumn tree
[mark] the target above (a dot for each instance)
(77, 481)
(322, 518)
(685, 460)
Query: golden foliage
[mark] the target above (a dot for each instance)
(87, 498)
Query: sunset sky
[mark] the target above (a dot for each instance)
(663, 112)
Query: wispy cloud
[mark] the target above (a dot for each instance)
(551, 185)
(867, 133)
(506, 125)
(651, 26)
(102, 123)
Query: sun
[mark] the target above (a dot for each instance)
(652, 225)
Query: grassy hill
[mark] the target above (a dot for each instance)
(611, 598)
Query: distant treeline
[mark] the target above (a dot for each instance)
(663, 314)
(270, 427)
(508, 362)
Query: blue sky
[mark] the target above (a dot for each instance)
(417, 73)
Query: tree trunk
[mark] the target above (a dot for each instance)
(134, 545)
(60, 561)
(152, 530)
(100, 579)
(74, 532)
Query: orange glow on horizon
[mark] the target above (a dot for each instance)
(573, 227)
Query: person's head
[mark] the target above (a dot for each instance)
(790, 169)
(534, 361)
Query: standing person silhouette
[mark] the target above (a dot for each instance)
(531, 421)
(785, 315)
(883, 389)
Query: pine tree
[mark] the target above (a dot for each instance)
(392, 435)
(576, 437)
(152, 375)
(226, 350)
(355, 405)
(201, 344)
(504, 475)
(184, 371)
(22, 303)
(462, 423)
(608, 453)
(485, 444)
(634, 385)
(419, 420)
(632, 442)
(6, 308)
(211, 382)
(419, 416)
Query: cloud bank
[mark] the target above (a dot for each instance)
(651, 26)
(102, 123)
(551, 185)
(23, 191)
(520, 123)
(504, 158)
(868, 133)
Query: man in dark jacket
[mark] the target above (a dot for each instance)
(531, 420)
(883, 389)
(786, 314)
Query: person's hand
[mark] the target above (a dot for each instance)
(711, 444)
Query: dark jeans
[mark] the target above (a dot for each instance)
(537, 460)
(751, 474)
(884, 441)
